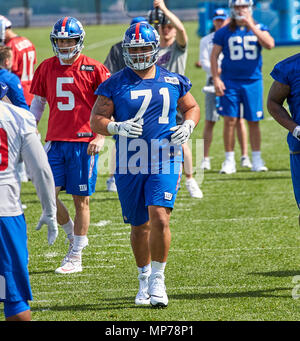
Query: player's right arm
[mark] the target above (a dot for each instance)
(102, 112)
(38, 106)
(218, 83)
(36, 163)
(276, 97)
(101, 122)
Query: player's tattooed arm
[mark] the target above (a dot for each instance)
(275, 104)
(101, 115)
(103, 106)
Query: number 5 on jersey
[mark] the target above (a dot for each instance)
(66, 94)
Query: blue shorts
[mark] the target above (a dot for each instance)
(137, 192)
(295, 173)
(242, 99)
(14, 275)
(73, 169)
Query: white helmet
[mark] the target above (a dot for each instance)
(233, 3)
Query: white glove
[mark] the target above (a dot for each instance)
(296, 133)
(129, 128)
(52, 227)
(182, 132)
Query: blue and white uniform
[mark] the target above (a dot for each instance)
(288, 72)
(148, 169)
(241, 72)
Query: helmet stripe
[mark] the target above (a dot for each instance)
(63, 26)
(137, 31)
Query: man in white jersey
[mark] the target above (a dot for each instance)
(18, 140)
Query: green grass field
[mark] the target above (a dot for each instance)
(234, 254)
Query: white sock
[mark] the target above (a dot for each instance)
(256, 155)
(69, 229)
(80, 242)
(145, 269)
(206, 158)
(229, 156)
(158, 267)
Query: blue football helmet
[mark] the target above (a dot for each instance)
(67, 28)
(141, 34)
(233, 3)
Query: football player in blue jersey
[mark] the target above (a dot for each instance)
(286, 86)
(15, 90)
(240, 85)
(143, 100)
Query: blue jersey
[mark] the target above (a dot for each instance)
(242, 52)
(154, 101)
(15, 92)
(288, 72)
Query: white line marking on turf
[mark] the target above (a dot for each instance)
(103, 43)
(238, 249)
(174, 289)
(239, 219)
(101, 223)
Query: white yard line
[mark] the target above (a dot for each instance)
(102, 43)
(170, 289)
(238, 219)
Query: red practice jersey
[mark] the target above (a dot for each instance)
(69, 90)
(24, 59)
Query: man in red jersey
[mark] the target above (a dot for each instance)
(24, 56)
(67, 82)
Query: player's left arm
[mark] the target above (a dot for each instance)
(276, 97)
(189, 108)
(191, 113)
(95, 145)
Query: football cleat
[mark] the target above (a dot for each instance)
(72, 265)
(111, 184)
(143, 297)
(205, 164)
(228, 167)
(259, 166)
(193, 188)
(157, 291)
(245, 162)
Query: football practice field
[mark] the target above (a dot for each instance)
(235, 254)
